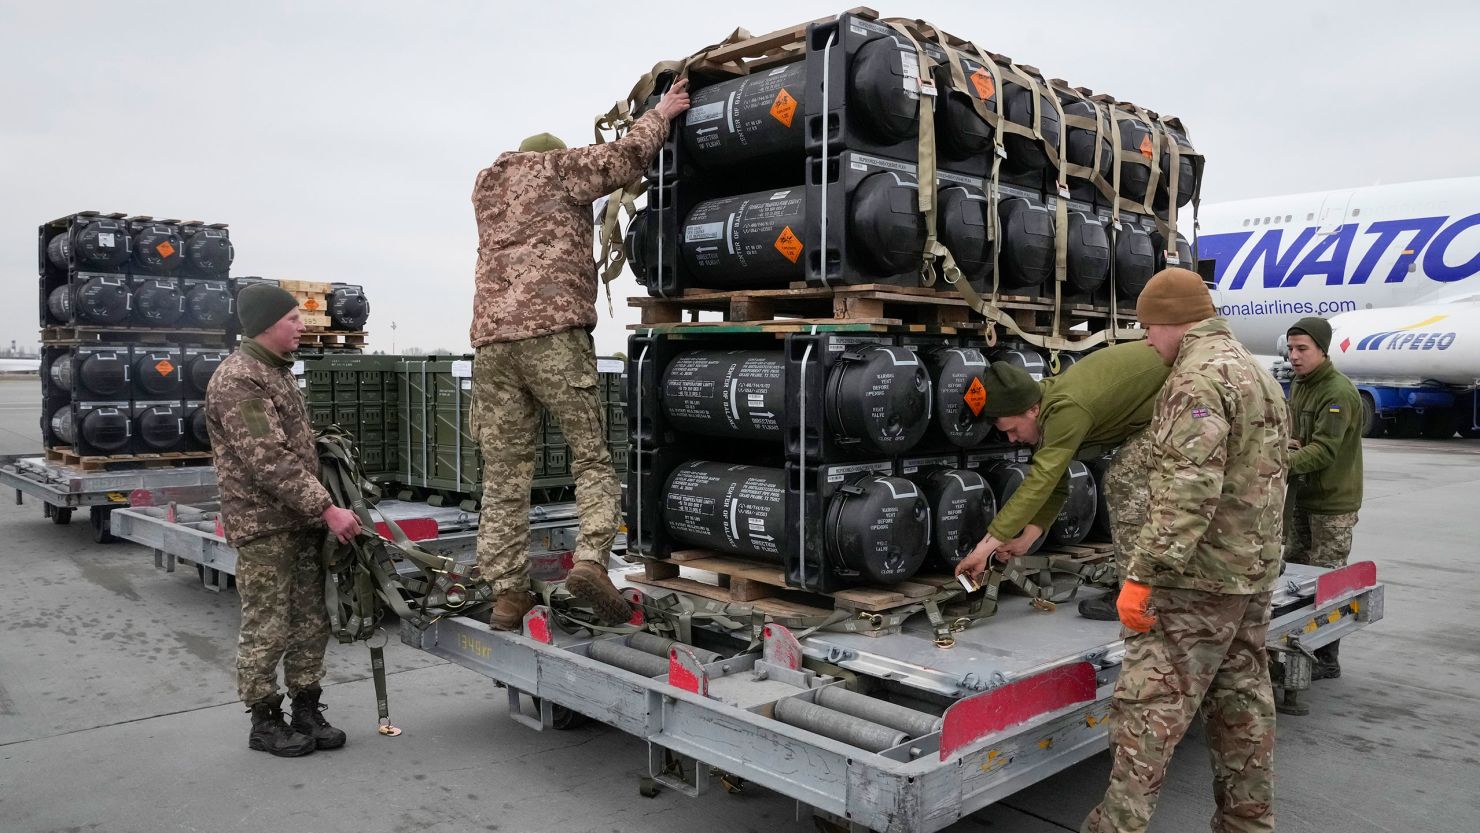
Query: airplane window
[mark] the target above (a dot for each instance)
(1246, 221)
(1256, 221)
(1287, 218)
(1310, 216)
(1356, 212)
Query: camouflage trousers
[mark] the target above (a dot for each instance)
(511, 380)
(1127, 493)
(1205, 654)
(280, 579)
(1319, 540)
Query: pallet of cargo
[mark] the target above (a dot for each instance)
(866, 307)
(69, 335)
(758, 52)
(88, 462)
(332, 338)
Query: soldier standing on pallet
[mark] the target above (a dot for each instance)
(1325, 463)
(533, 310)
(1196, 595)
(274, 511)
(1102, 401)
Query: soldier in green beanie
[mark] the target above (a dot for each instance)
(274, 511)
(1325, 466)
(1101, 402)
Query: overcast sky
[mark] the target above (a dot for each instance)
(340, 140)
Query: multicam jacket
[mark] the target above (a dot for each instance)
(1217, 489)
(266, 465)
(536, 274)
(1095, 405)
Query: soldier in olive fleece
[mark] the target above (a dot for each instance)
(533, 310)
(1101, 402)
(1197, 591)
(1325, 463)
(274, 511)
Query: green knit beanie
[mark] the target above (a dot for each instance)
(1010, 391)
(541, 142)
(1319, 330)
(260, 305)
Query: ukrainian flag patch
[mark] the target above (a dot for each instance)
(1334, 409)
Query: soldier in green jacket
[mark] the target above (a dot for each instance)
(1325, 462)
(1102, 402)
(1196, 596)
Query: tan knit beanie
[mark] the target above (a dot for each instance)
(1174, 296)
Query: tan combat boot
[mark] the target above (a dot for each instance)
(589, 583)
(509, 608)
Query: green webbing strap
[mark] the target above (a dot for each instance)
(926, 170)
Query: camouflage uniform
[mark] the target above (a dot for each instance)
(511, 379)
(1326, 471)
(271, 500)
(1126, 493)
(1210, 551)
(532, 312)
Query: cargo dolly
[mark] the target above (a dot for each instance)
(890, 733)
(62, 489)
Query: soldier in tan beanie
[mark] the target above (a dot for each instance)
(1196, 594)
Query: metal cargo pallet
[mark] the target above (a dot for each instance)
(61, 488)
(1020, 697)
(187, 533)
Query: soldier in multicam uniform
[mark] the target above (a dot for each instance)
(533, 311)
(274, 511)
(1325, 466)
(1196, 594)
(1103, 401)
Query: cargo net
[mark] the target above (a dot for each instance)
(1019, 183)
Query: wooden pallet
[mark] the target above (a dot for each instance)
(729, 579)
(71, 335)
(331, 338)
(866, 307)
(307, 287)
(67, 457)
(763, 51)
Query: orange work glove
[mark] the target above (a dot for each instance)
(1132, 607)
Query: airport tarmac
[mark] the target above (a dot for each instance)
(118, 707)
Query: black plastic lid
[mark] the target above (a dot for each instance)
(1027, 244)
(879, 527)
(1089, 252)
(886, 226)
(877, 90)
(962, 221)
(880, 397)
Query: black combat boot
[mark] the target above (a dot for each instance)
(308, 718)
(1328, 662)
(1101, 608)
(270, 734)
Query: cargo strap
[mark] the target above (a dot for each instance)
(618, 120)
(1056, 578)
(360, 578)
(926, 169)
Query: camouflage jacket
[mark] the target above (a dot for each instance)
(266, 465)
(1217, 486)
(536, 273)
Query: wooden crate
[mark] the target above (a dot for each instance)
(308, 287)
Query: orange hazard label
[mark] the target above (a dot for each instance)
(164, 367)
(1146, 149)
(788, 245)
(165, 249)
(976, 396)
(783, 109)
(310, 303)
(982, 80)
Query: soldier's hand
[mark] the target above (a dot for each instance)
(975, 564)
(1021, 544)
(675, 101)
(1134, 607)
(342, 522)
